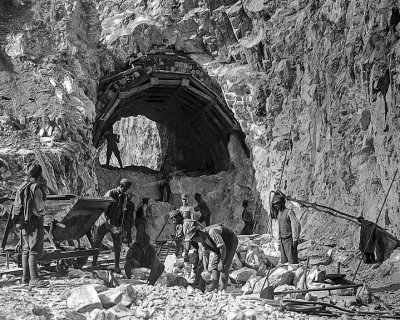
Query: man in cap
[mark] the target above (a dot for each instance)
(143, 254)
(113, 220)
(203, 208)
(223, 242)
(28, 214)
(247, 218)
(186, 210)
(289, 228)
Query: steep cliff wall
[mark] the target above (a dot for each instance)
(314, 78)
(317, 79)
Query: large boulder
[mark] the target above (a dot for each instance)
(250, 283)
(242, 275)
(84, 299)
(123, 294)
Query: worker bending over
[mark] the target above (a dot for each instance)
(223, 242)
(143, 255)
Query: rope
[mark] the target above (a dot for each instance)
(374, 227)
(284, 160)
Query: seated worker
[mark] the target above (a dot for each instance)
(143, 254)
(223, 242)
(177, 219)
(203, 208)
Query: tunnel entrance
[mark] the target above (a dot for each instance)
(139, 144)
(188, 106)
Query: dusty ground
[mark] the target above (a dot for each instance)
(162, 302)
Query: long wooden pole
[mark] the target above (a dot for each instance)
(373, 228)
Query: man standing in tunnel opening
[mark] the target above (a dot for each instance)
(203, 208)
(247, 218)
(289, 228)
(113, 220)
(223, 242)
(112, 147)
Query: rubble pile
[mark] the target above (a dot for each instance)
(102, 295)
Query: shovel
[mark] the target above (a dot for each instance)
(267, 292)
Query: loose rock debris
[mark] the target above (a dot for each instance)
(91, 295)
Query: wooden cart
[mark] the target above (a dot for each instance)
(68, 220)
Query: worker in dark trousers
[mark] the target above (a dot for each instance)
(129, 218)
(113, 219)
(223, 242)
(112, 147)
(143, 254)
(289, 228)
(28, 215)
(247, 218)
(203, 208)
(141, 220)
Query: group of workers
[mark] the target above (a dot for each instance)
(214, 245)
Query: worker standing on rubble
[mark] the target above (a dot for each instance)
(112, 147)
(143, 254)
(223, 242)
(203, 208)
(141, 220)
(289, 228)
(198, 261)
(28, 213)
(112, 220)
(247, 218)
(186, 210)
(177, 219)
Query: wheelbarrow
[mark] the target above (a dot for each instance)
(68, 220)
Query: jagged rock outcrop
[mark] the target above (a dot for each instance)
(312, 82)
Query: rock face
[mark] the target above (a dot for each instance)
(84, 299)
(313, 85)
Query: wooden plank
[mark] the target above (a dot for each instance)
(199, 93)
(214, 119)
(127, 94)
(121, 74)
(190, 101)
(111, 110)
(224, 115)
(138, 81)
(211, 92)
